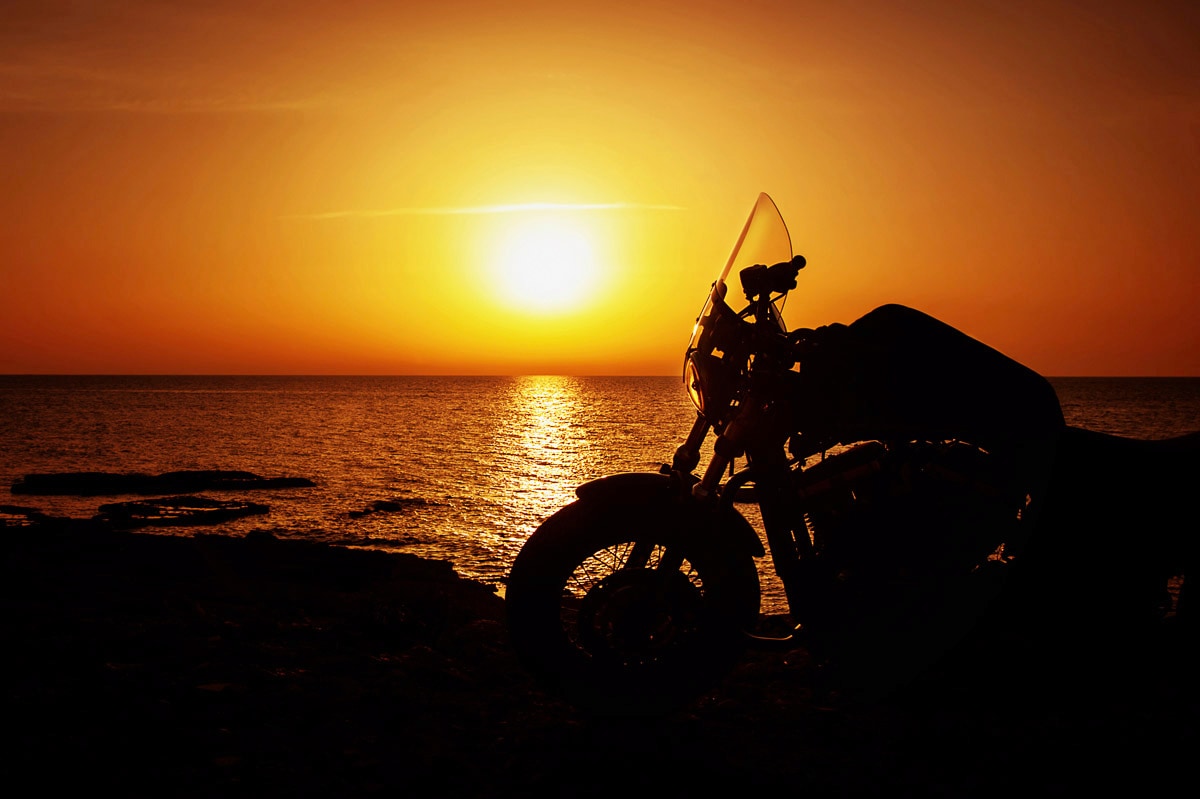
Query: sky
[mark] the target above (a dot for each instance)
(529, 187)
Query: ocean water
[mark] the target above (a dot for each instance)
(475, 463)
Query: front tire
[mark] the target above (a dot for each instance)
(630, 609)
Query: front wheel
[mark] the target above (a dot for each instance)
(630, 609)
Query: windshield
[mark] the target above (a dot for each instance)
(718, 355)
(764, 240)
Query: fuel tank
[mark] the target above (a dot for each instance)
(898, 373)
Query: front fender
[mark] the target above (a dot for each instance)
(632, 488)
(652, 488)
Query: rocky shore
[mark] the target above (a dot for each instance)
(214, 666)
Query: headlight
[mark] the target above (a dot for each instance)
(691, 379)
(712, 384)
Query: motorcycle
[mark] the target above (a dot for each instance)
(912, 484)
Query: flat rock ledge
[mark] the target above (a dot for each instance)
(177, 512)
(211, 666)
(93, 484)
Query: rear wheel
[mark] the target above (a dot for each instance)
(630, 609)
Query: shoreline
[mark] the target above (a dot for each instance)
(203, 665)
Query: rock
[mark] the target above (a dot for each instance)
(18, 516)
(211, 666)
(397, 505)
(177, 512)
(91, 484)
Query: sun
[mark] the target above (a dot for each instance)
(546, 264)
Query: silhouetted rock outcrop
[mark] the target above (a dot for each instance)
(19, 516)
(92, 484)
(178, 511)
(397, 505)
(210, 666)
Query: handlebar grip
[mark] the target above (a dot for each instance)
(782, 276)
(778, 279)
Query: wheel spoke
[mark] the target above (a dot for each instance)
(599, 565)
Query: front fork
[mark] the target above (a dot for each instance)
(639, 556)
(784, 523)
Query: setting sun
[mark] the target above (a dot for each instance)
(535, 187)
(546, 265)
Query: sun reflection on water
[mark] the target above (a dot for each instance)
(549, 438)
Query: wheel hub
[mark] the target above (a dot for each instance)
(637, 615)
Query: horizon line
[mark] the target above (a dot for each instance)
(488, 374)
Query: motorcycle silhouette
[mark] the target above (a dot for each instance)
(912, 482)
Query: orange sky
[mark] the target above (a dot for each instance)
(311, 187)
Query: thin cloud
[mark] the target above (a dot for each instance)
(475, 210)
(49, 85)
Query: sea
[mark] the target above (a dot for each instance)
(468, 466)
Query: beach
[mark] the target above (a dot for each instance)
(215, 665)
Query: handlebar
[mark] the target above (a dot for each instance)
(779, 278)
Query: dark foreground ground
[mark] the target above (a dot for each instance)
(210, 666)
